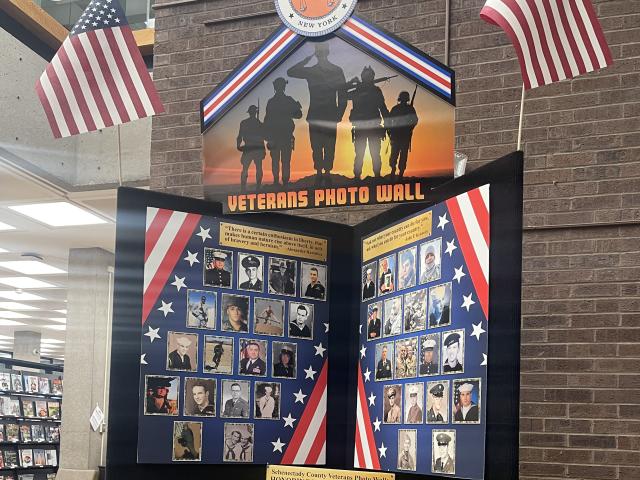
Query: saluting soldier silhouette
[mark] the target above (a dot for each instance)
(279, 127)
(400, 124)
(251, 132)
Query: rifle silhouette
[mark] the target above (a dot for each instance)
(354, 82)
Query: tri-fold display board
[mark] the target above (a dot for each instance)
(263, 339)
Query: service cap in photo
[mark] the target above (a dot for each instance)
(451, 339)
(158, 382)
(203, 298)
(465, 388)
(437, 390)
(374, 309)
(429, 344)
(369, 271)
(443, 439)
(413, 391)
(286, 351)
(391, 392)
(234, 302)
(430, 250)
(217, 254)
(248, 344)
(252, 109)
(250, 261)
(184, 341)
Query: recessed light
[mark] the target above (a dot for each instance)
(6, 226)
(58, 214)
(58, 319)
(19, 295)
(16, 306)
(31, 267)
(4, 314)
(56, 327)
(10, 323)
(25, 282)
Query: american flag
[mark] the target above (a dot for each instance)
(554, 39)
(98, 77)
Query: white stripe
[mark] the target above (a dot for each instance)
(356, 462)
(100, 80)
(322, 458)
(553, 48)
(74, 61)
(592, 34)
(568, 53)
(312, 430)
(115, 73)
(577, 36)
(162, 246)
(484, 192)
(151, 214)
(364, 439)
(478, 242)
(533, 28)
(133, 71)
(68, 93)
(55, 106)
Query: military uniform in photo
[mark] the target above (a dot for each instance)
(444, 464)
(368, 286)
(236, 406)
(414, 415)
(282, 368)
(251, 261)
(428, 367)
(217, 276)
(374, 324)
(435, 416)
(383, 369)
(255, 366)
(468, 412)
(448, 367)
(393, 413)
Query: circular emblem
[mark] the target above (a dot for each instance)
(313, 18)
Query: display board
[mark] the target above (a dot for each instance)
(234, 339)
(422, 374)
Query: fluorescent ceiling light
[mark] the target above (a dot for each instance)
(10, 323)
(6, 226)
(20, 296)
(64, 311)
(25, 282)
(56, 327)
(3, 250)
(59, 319)
(16, 306)
(58, 214)
(31, 267)
(4, 314)
(51, 340)
(6, 337)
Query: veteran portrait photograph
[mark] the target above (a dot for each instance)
(374, 320)
(235, 398)
(368, 281)
(182, 351)
(384, 362)
(199, 397)
(235, 313)
(187, 441)
(406, 357)
(392, 316)
(414, 401)
(387, 275)
(238, 442)
(161, 395)
(201, 309)
(440, 305)
(429, 354)
(407, 268)
(218, 265)
(301, 320)
(466, 398)
(218, 354)
(250, 273)
(430, 258)
(253, 355)
(392, 404)
(267, 400)
(268, 316)
(438, 402)
(284, 357)
(407, 450)
(444, 451)
(313, 281)
(453, 351)
(415, 311)
(283, 276)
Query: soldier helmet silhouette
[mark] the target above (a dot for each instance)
(252, 109)
(404, 96)
(367, 74)
(321, 49)
(279, 83)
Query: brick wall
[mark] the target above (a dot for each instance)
(580, 385)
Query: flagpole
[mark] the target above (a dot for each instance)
(521, 118)
(120, 158)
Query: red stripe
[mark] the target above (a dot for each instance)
(585, 40)
(255, 66)
(390, 49)
(528, 35)
(535, 12)
(56, 86)
(124, 73)
(367, 422)
(470, 257)
(168, 263)
(155, 230)
(318, 443)
(481, 212)
(359, 450)
(91, 81)
(598, 29)
(75, 87)
(143, 73)
(301, 430)
(104, 68)
(47, 109)
(572, 41)
(556, 40)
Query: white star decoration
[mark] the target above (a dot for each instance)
(178, 282)
(477, 330)
(459, 274)
(383, 450)
(363, 351)
(360, 329)
(299, 397)
(203, 234)
(467, 301)
(152, 334)
(443, 221)
(191, 258)
(451, 246)
(372, 400)
(367, 375)
(166, 308)
(484, 359)
(376, 425)
(326, 327)
(319, 350)
(143, 361)
(309, 372)
(288, 420)
(277, 445)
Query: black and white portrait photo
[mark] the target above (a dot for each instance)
(407, 449)
(182, 351)
(187, 441)
(234, 313)
(238, 442)
(268, 316)
(453, 351)
(199, 397)
(218, 354)
(267, 400)
(283, 276)
(313, 281)
(300, 320)
(234, 398)
(438, 401)
(430, 260)
(443, 456)
(369, 276)
(384, 361)
(250, 272)
(201, 309)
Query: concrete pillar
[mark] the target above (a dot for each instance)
(26, 345)
(88, 317)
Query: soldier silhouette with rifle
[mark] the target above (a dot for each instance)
(400, 124)
(251, 132)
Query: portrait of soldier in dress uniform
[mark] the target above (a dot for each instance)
(438, 401)
(430, 260)
(234, 313)
(406, 357)
(407, 448)
(466, 400)
(199, 397)
(238, 442)
(429, 354)
(392, 404)
(182, 351)
(414, 403)
(392, 324)
(313, 281)
(250, 272)
(415, 311)
(218, 354)
(201, 309)
(407, 268)
(301, 320)
(284, 359)
(161, 395)
(387, 275)
(234, 398)
(440, 305)
(187, 441)
(453, 351)
(268, 316)
(369, 275)
(384, 361)
(218, 265)
(266, 403)
(374, 321)
(443, 456)
(253, 356)
(283, 276)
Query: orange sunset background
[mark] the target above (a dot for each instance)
(432, 145)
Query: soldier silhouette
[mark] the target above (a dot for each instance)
(279, 127)
(327, 103)
(252, 134)
(400, 124)
(368, 110)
